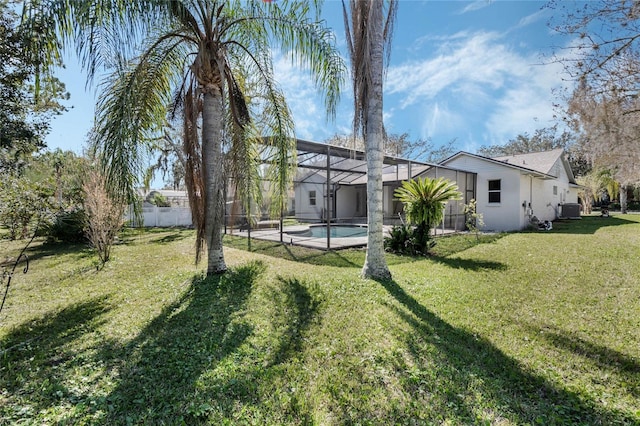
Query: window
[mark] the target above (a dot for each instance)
(312, 198)
(555, 190)
(494, 191)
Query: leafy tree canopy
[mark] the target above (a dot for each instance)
(24, 117)
(544, 139)
(604, 59)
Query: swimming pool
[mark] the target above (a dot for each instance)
(337, 231)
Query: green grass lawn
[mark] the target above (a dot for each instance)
(525, 328)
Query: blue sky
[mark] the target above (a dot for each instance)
(470, 71)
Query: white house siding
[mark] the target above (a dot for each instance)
(523, 193)
(346, 202)
(387, 200)
(503, 216)
(305, 211)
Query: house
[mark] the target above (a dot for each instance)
(511, 190)
(343, 171)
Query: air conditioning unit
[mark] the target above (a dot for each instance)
(570, 211)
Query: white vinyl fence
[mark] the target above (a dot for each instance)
(154, 216)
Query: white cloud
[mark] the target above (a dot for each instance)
(476, 5)
(474, 63)
(533, 18)
(527, 106)
(439, 119)
(302, 97)
(483, 83)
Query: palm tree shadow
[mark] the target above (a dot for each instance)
(603, 357)
(159, 369)
(295, 311)
(35, 355)
(470, 264)
(472, 364)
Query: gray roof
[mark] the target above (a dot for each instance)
(539, 161)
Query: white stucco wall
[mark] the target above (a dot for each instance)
(505, 215)
(346, 202)
(304, 210)
(522, 193)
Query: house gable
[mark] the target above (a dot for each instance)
(512, 189)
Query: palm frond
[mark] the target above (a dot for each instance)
(132, 111)
(425, 198)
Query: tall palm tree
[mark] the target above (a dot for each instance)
(197, 58)
(367, 34)
(424, 202)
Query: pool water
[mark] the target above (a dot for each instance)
(337, 231)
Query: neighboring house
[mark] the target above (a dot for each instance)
(513, 189)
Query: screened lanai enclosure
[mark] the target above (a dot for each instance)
(327, 205)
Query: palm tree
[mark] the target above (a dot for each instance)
(197, 59)
(424, 201)
(367, 35)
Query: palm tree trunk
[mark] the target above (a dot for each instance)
(623, 199)
(375, 265)
(212, 114)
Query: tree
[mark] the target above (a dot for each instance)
(608, 134)
(545, 139)
(592, 187)
(367, 34)
(47, 186)
(401, 146)
(24, 117)
(606, 43)
(195, 58)
(105, 215)
(424, 202)
(604, 60)
(23, 203)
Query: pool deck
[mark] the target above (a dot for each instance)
(320, 243)
(311, 242)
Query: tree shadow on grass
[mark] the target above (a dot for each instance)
(35, 356)
(77, 251)
(159, 369)
(295, 309)
(470, 264)
(603, 357)
(472, 380)
(589, 224)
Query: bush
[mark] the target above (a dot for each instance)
(68, 227)
(160, 200)
(408, 240)
(105, 215)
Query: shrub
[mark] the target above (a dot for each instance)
(473, 219)
(404, 239)
(68, 226)
(160, 200)
(105, 215)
